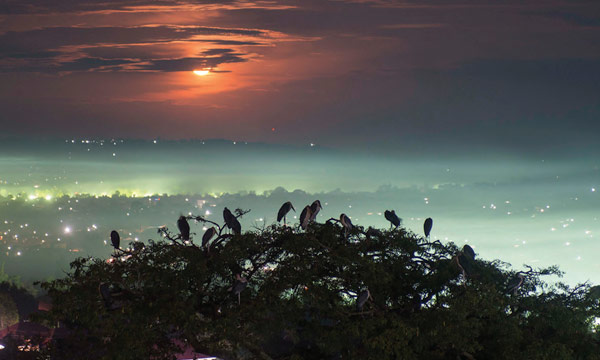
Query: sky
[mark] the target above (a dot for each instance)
(481, 114)
(510, 76)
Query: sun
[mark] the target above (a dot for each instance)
(201, 72)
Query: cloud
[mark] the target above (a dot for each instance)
(189, 64)
(101, 6)
(412, 26)
(158, 48)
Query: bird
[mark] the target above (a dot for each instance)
(238, 286)
(283, 210)
(209, 234)
(362, 298)
(104, 290)
(468, 251)
(465, 263)
(427, 225)
(115, 239)
(315, 207)
(109, 295)
(232, 222)
(346, 223)
(184, 228)
(305, 217)
(392, 217)
(515, 283)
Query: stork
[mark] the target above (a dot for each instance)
(392, 218)
(346, 223)
(515, 283)
(427, 225)
(468, 251)
(115, 239)
(283, 210)
(232, 222)
(315, 207)
(238, 286)
(362, 299)
(184, 228)
(305, 217)
(209, 234)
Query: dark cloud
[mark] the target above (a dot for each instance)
(56, 37)
(87, 64)
(113, 46)
(51, 6)
(189, 64)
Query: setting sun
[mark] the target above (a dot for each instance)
(201, 72)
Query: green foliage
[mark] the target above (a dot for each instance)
(300, 302)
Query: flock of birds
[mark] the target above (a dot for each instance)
(464, 259)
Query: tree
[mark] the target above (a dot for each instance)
(9, 314)
(300, 301)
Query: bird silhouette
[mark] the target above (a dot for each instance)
(346, 223)
(184, 228)
(392, 218)
(362, 299)
(427, 225)
(466, 261)
(115, 239)
(515, 283)
(107, 296)
(468, 251)
(315, 207)
(232, 222)
(239, 285)
(283, 210)
(305, 217)
(208, 234)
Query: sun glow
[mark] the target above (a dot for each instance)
(201, 72)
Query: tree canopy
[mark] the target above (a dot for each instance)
(284, 293)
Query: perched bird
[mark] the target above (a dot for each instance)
(238, 286)
(104, 289)
(427, 225)
(315, 207)
(115, 239)
(515, 283)
(392, 217)
(283, 210)
(107, 296)
(466, 264)
(468, 251)
(232, 222)
(209, 234)
(362, 299)
(346, 223)
(305, 217)
(184, 228)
